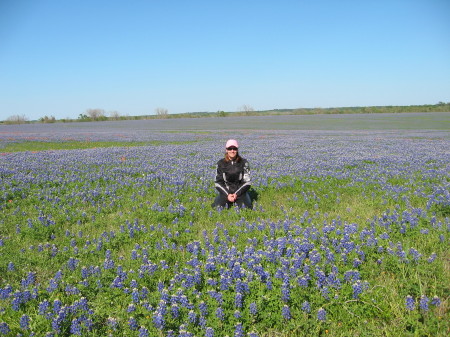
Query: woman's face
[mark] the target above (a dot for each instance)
(232, 152)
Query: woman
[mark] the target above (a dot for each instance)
(232, 178)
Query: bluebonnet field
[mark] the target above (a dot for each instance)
(348, 235)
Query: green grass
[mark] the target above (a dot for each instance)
(72, 145)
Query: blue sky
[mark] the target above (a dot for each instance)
(60, 58)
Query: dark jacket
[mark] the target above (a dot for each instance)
(233, 177)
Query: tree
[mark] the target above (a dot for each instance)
(114, 115)
(47, 119)
(96, 114)
(221, 113)
(247, 109)
(161, 112)
(16, 119)
(83, 117)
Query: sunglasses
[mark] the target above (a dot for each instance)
(232, 148)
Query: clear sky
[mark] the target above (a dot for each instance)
(59, 57)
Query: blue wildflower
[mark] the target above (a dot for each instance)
(219, 313)
(239, 330)
(209, 332)
(143, 332)
(112, 323)
(357, 289)
(423, 303)
(192, 316)
(286, 312)
(24, 322)
(132, 323)
(238, 299)
(432, 257)
(253, 309)
(321, 314)
(158, 320)
(135, 295)
(203, 308)
(4, 328)
(285, 292)
(75, 327)
(436, 301)
(175, 310)
(410, 303)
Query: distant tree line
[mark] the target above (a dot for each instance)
(16, 119)
(246, 110)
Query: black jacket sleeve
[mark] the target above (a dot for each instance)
(246, 181)
(219, 182)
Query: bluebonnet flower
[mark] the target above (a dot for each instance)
(239, 330)
(43, 306)
(202, 321)
(253, 309)
(158, 320)
(192, 316)
(57, 305)
(321, 314)
(108, 264)
(84, 272)
(4, 328)
(302, 282)
(238, 299)
(357, 289)
(423, 303)
(135, 295)
(410, 303)
(252, 334)
(131, 308)
(134, 284)
(75, 327)
(209, 332)
(286, 312)
(175, 310)
(143, 332)
(132, 323)
(112, 323)
(11, 266)
(436, 301)
(53, 285)
(220, 314)
(415, 254)
(31, 277)
(237, 314)
(285, 292)
(324, 291)
(25, 322)
(72, 263)
(203, 308)
(432, 257)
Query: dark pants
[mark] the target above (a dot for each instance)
(242, 201)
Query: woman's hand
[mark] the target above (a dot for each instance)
(232, 197)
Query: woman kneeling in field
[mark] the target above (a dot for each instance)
(232, 178)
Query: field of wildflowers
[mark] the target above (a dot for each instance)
(348, 236)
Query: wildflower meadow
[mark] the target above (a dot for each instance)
(107, 229)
